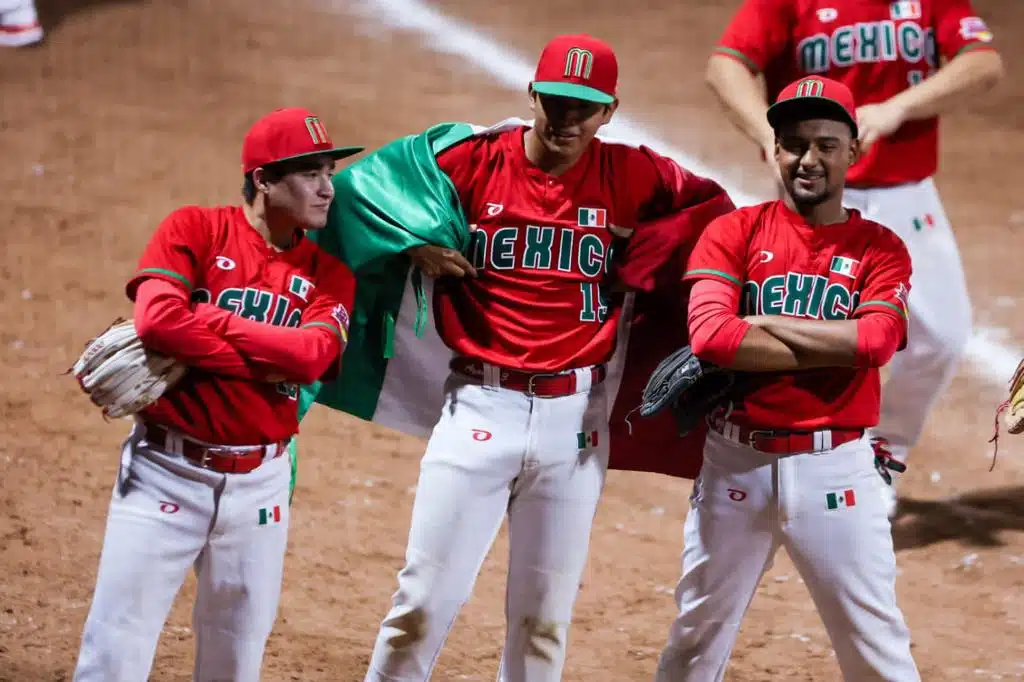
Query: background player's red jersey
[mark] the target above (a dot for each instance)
(215, 254)
(543, 248)
(877, 48)
(823, 272)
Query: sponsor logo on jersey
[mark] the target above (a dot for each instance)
(827, 14)
(766, 256)
(974, 28)
(225, 263)
(867, 43)
(270, 515)
(300, 286)
(841, 265)
(494, 209)
(905, 9)
(840, 499)
(737, 495)
(592, 217)
(586, 439)
(169, 507)
(482, 435)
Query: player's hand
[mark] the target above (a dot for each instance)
(437, 261)
(876, 121)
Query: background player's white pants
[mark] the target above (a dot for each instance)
(744, 505)
(496, 451)
(940, 310)
(174, 515)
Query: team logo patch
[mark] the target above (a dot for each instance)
(902, 294)
(905, 9)
(827, 14)
(586, 439)
(340, 315)
(300, 286)
(592, 217)
(840, 499)
(974, 28)
(841, 265)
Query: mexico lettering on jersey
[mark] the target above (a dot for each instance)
(877, 48)
(219, 258)
(833, 272)
(543, 247)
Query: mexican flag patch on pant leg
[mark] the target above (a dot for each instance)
(586, 439)
(843, 498)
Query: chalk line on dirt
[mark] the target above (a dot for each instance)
(994, 361)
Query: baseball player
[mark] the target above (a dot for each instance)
(532, 320)
(888, 54)
(255, 309)
(19, 23)
(808, 299)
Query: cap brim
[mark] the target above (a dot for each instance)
(336, 153)
(573, 90)
(804, 108)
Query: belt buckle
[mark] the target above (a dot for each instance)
(753, 435)
(530, 391)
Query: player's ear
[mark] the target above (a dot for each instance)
(533, 98)
(259, 181)
(855, 151)
(609, 111)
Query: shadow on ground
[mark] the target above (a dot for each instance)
(974, 518)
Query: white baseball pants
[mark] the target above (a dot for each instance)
(494, 451)
(170, 515)
(745, 505)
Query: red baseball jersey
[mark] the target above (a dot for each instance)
(878, 48)
(543, 248)
(826, 272)
(217, 256)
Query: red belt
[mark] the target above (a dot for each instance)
(781, 442)
(219, 458)
(533, 384)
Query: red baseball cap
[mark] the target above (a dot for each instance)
(814, 97)
(579, 66)
(286, 134)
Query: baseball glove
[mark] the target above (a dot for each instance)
(120, 375)
(690, 386)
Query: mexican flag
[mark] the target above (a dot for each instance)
(395, 365)
(842, 498)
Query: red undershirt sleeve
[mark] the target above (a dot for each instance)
(879, 336)
(300, 355)
(165, 324)
(716, 330)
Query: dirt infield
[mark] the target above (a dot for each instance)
(133, 108)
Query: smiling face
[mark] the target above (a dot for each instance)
(565, 125)
(300, 192)
(813, 156)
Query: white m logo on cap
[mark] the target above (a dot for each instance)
(578, 63)
(812, 87)
(316, 130)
